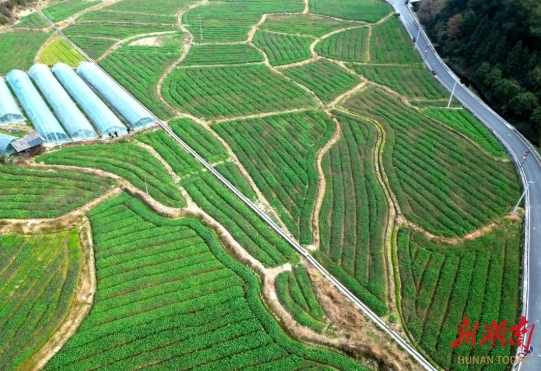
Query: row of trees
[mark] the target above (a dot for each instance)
(496, 44)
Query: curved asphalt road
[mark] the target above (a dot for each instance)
(531, 171)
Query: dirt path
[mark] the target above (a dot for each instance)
(322, 183)
(260, 115)
(157, 156)
(306, 7)
(347, 94)
(128, 39)
(255, 28)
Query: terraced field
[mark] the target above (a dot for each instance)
(65, 9)
(18, 49)
(349, 45)
(283, 49)
(38, 277)
(222, 54)
(306, 24)
(170, 297)
(33, 21)
(366, 10)
(391, 44)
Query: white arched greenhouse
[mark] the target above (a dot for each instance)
(5, 144)
(9, 110)
(76, 124)
(103, 118)
(122, 102)
(35, 107)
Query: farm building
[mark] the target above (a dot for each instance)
(122, 102)
(103, 118)
(37, 110)
(5, 144)
(29, 141)
(76, 124)
(9, 110)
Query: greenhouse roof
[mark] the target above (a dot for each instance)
(30, 140)
(5, 144)
(35, 107)
(137, 116)
(9, 110)
(76, 124)
(103, 118)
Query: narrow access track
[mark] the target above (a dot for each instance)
(403, 343)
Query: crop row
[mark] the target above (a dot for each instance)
(33, 20)
(232, 173)
(465, 123)
(478, 280)
(295, 292)
(303, 24)
(354, 211)
(413, 82)
(113, 30)
(283, 49)
(139, 73)
(156, 7)
(200, 139)
(65, 9)
(279, 153)
(39, 275)
(390, 43)
(125, 160)
(126, 18)
(19, 48)
(221, 92)
(440, 179)
(232, 20)
(60, 51)
(326, 79)
(222, 54)
(45, 194)
(95, 47)
(349, 45)
(190, 316)
(366, 10)
(243, 224)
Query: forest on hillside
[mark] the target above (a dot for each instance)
(496, 44)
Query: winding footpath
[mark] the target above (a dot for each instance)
(517, 146)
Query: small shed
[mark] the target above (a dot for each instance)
(27, 142)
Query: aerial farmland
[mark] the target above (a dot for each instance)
(244, 184)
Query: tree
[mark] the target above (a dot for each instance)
(524, 104)
(453, 25)
(428, 10)
(506, 89)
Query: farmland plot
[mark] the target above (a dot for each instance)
(441, 181)
(160, 7)
(33, 20)
(46, 194)
(170, 297)
(283, 49)
(121, 17)
(18, 49)
(304, 24)
(114, 31)
(358, 10)
(349, 45)
(65, 9)
(222, 54)
(279, 153)
(326, 79)
(61, 51)
(95, 47)
(221, 92)
(440, 284)
(354, 211)
(390, 43)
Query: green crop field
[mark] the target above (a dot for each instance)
(306, 24)
(231, 21)
(296, 293)
(408, 81)
(358, 10)
(159, 7)
(430, 168)
(38, 278)
(18, 49)
(139, 68)
(220, 92)
(440, 284)
(114, 31)
(60, 51)
(95, 47)
(126, 160)
(126, 18)
(279, 153)
(170, 297)
(283, 49)
(390, 43)
(354, 211)
(222, 54)
(65, 9)
(33, 20)
(468, 125)
(46, 194)
(349, 45)
(326, 79)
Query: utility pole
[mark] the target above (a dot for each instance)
(200, 28)
(452, 93)
(521, 197)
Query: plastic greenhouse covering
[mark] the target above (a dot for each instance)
(66, 110)
(35, 107)
(5, 147)
(9, 110)
(103, 118)
(133, 112)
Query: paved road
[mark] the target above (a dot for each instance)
(531, 171)
(404, 344)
